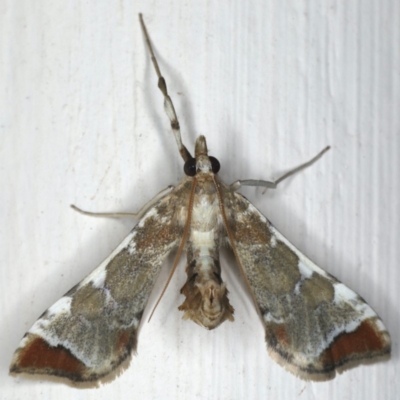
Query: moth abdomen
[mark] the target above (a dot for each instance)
(206, 301)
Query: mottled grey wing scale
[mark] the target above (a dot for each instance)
(94, 326)
(314, 324)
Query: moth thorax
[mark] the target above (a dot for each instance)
(206, 301)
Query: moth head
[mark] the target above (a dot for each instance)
(202, 163)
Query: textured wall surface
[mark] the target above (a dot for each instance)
(269, 84)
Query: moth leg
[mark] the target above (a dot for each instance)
(252, 182)
(168, 105)
(139, 214)
(273, 185)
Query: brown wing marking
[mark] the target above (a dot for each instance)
(91, 330)
(314, 324)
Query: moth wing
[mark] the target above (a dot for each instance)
(315, 325)
(92, 329)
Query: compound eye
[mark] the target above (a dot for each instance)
(215, 165)
(190, 167)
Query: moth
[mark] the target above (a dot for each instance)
(314, 325)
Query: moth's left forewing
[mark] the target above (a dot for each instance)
(315, 325)
(90, 331)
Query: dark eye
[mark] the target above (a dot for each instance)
(215, 165)
(190, 167)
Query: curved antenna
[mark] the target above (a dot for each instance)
(180, 249)
(168, 105)
(230, 237)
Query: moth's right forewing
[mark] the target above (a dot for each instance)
(315, 325)
(93, 328)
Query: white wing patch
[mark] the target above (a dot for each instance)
(98, 276)
(314, 324)
(93, 328)
(306, 266)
